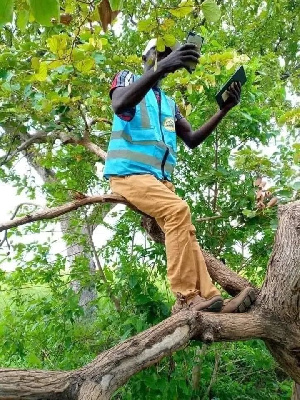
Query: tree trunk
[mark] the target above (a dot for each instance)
(86, 294)
(75, 249)
(296, 392)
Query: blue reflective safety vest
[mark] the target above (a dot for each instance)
(147, 143)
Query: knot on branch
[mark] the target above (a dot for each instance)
(208, 336)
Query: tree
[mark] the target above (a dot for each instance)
(63, 131)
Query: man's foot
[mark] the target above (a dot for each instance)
(197, 303)
(240, 303)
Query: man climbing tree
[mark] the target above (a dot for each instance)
(140, 160)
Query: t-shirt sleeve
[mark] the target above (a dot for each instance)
(122, 79)
(178, 114)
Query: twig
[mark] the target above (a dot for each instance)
(5, 239)
(214, 375)
(94, 252)
(24, 146)
(86, 134)
(95, 120)
(203, 219)
(216, 188)
(77, 34)
(85, 142)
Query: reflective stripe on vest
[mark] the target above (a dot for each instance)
(144, 114)
(121, 134)
(139, 157)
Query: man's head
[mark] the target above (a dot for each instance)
(150, 53)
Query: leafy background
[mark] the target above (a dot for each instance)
(57, 60)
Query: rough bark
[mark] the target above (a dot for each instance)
(274, 318)
(280, 294)
(296, 392)
(284, 266)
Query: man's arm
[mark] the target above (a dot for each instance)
(193, 138)
(127, 97)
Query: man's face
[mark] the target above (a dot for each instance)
(150, 57)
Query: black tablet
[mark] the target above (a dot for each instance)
(238, 76)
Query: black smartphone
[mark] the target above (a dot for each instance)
(196, 40)
(238, 76)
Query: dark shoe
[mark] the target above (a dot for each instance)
(240, 303)
(198, 303)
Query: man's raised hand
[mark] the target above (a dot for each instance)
(183, 57)
(234, 93)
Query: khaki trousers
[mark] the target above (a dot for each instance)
(186, 267)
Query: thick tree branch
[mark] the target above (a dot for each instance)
(114, 367)
(93, 148)
(50, 213)
(85, 142)
(36, 138)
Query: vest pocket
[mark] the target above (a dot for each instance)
(144, 135)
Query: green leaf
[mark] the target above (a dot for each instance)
(57, 44)
(247, 116)
(189, 88)
(45, 10)
(116, 5)
(3, 74)
(170, 40)
(33, 360)
(98, 57)
(6, 11)
(211, 10)
(22, 19)
(184, 8)
(160, 44)
(85, 65)
(249, 213)
(296, 185)
(35, 63)
(42, 73)
(145, 25)
(108, 274)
